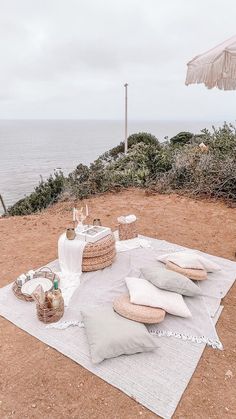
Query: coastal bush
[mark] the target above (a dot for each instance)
(163, 167)
(45, 194)
(134, 139)
(222, 140)
(77, 183)
(209, 174)
(114, 169)
(182, 138)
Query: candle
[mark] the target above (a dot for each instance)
(74, 214)
(77, 216)
(87, 211)
(21, 280)
(30, 275)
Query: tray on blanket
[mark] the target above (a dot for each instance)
(45, 272)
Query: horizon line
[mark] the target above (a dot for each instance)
(114, 119)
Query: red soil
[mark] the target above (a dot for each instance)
(38, 382)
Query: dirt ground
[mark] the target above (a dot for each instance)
(36, 381)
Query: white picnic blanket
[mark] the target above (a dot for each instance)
(149, 378)
(136, 243)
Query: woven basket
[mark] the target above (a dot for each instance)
(128, 231)
(50, 315)
(99, 255)
(41, 273)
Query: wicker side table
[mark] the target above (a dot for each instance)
(99, 255)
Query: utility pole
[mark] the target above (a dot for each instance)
(126, 117)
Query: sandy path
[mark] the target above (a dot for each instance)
(38, 382)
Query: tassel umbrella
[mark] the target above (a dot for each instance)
(215, 68)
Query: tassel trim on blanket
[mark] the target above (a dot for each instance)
(216, 344)
(65, 324)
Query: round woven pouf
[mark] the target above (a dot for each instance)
(99, 255)
(195, 274)
(142, 314)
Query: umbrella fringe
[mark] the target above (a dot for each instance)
(221, 73)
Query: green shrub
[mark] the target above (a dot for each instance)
(200, 174)
(176, 165)
(141, 137)
(222, 140)
(45, 194)
(182, 138)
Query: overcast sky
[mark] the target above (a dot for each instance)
(71, 58)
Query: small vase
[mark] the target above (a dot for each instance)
(97, 222)
(70, 233)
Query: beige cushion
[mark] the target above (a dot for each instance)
(110, 335)
(143, 293)
(170, 281)
(195, 274)
(143, 314)
(190, 260)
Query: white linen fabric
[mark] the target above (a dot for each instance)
(144, 293)
(127, 219)
(137, 242)
(70, 256)
(190, 260)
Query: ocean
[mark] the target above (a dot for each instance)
(33, 148)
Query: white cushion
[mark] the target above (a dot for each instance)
(190, 260)
(144, 293)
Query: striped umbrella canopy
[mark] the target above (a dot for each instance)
(215, 68)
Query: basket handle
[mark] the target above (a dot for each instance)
(50, 271)
(43, 269)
